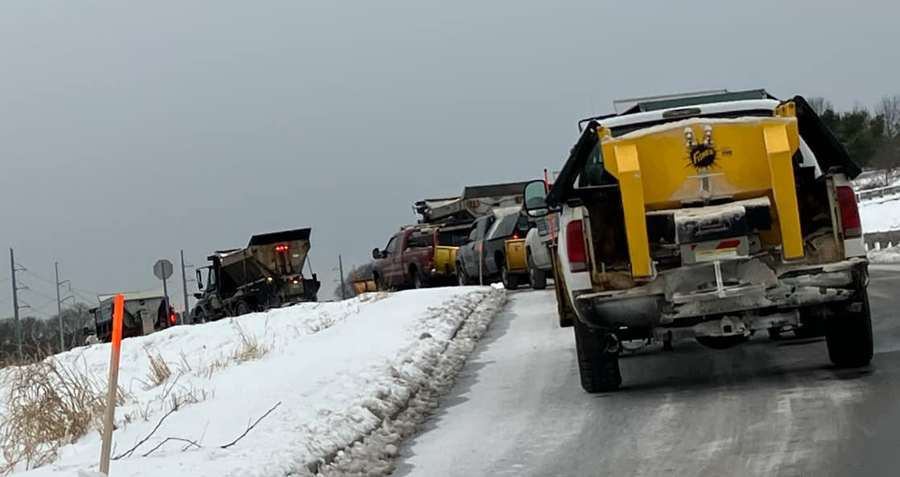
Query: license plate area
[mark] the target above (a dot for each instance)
(715, 250)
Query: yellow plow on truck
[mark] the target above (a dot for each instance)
(708, 217)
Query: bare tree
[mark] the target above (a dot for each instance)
(887, 157)
(889, 110)
(820, 105)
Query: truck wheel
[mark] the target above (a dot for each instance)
(849, 334)
(566, 319)
(379, 283)
(598, 359)
(537, 276)
(243, 308)
(510, 282)
(461, 278)
(418, 281)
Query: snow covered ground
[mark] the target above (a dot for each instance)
(352, 379)
(880, 215)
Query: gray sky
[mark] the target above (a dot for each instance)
(129, 130)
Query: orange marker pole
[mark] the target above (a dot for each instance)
(118, 313)
(547, 189)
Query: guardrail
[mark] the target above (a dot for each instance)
(877, 193)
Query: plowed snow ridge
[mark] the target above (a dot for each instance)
(353, 378)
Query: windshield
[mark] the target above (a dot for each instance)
(211, 279)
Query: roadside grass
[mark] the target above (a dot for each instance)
(48, 405)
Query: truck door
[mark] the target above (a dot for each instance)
(393, 269)
(212, 289)
(473, 248)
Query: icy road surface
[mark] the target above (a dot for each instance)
(765, 408)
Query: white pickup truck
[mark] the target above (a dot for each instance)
(537, 250)
(709, 218)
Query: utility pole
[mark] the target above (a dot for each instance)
(59, 302)
(187, 304)
(343, 289)
(15, 291)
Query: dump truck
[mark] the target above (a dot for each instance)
(145, 312)
(474, 202)
(710, 217)
(267, 273)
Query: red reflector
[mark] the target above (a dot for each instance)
(575, 246)
(849, 212)
(173, 318)
(728, 244)
(515, 236)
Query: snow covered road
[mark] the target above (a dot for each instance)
(765, 408)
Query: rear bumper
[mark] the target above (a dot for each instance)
(770, 300)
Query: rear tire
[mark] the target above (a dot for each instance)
(849, 335)
(461, 278)
(598, 368)
(243, 308)
(510, 282)
(418, 281)
(537, 276)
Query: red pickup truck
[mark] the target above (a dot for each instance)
(408, 259)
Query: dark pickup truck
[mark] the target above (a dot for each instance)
(495, 249)
(408, 260)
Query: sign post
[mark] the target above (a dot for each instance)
(118, 313)
(163, 269)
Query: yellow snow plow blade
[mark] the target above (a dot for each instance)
(699, 160)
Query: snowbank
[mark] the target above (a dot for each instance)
(350, 378)
(880, 215)
(885, 255)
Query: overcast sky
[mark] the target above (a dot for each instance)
(130, 130)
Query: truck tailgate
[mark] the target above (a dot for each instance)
(515, 256)
(445, 260)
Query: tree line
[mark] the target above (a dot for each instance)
(872, 137)
(40, 336)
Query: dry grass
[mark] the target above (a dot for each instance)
(159, 370)
(48, 405)
(249, 347)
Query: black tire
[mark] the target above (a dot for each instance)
(849, 335)
(774, 333)
(599, 369)
(418, 280)
(510, 282)
(537, 276)
(379, 283)
(243, 308)
(461, 278)
(721, 342)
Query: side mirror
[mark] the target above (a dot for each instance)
(376, 254)
(536, 199)
(198, 296)
(199, 280)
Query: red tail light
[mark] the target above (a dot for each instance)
(849, 212)
(515, 236)
(575, 246)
